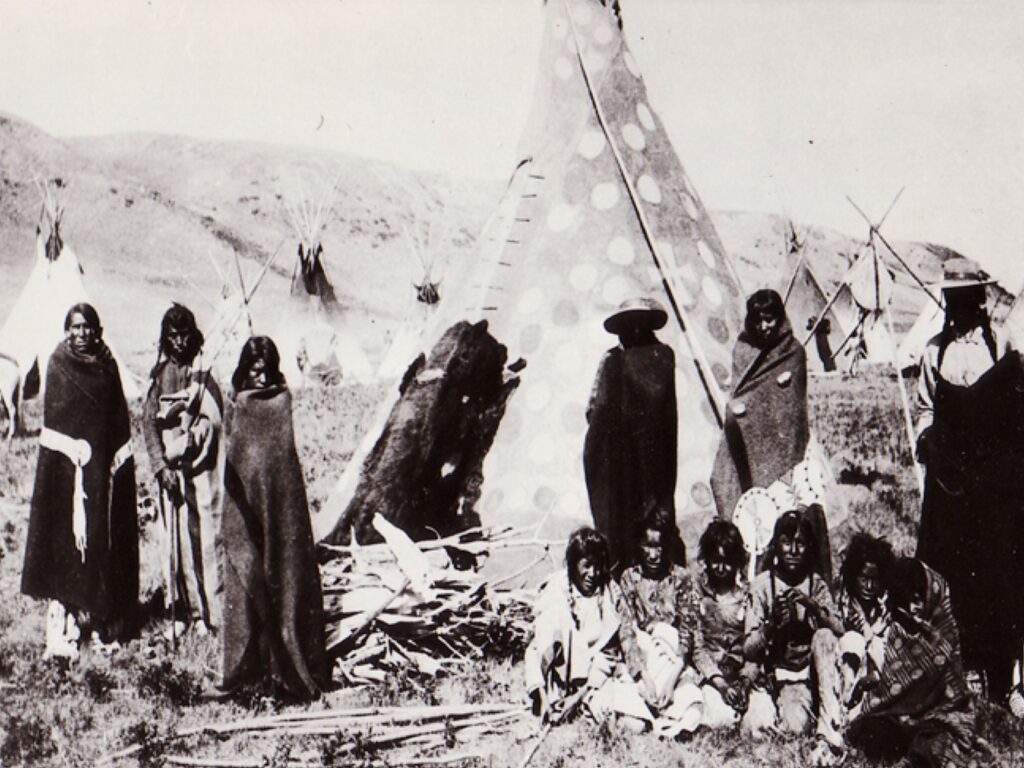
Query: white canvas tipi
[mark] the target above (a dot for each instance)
(599, 210)
(35, 324)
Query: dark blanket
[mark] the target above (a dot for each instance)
(273, 609)
(973, 511)
(766, 429)
(920, 706)
(629, 456)
(84, 401)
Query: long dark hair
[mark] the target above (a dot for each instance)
(661, 519)
(788, 524)
(587, 543)
(86, 310)
(181, 317)
(258, 348)
(723, 536)
(863, 549)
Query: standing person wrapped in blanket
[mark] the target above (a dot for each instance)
(82, 549)
(919, 707)
(660, 632)
(789, 603)
(575, 647)
(629, 454)
(767, 462)
(971, 439)
(850, 664)
(273, 626)
(722, 597)
(181, 424)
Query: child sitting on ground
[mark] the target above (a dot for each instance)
(721, 598)
(789, 602)
(659, 625)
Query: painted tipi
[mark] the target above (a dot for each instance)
(598, 210)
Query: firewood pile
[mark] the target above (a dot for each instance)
(400, 606)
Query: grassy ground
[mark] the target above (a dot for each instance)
(51, 715)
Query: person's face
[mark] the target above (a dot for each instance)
(867, 586)
(915, 607)
(965, 306)
(82, 336)
(652, 553)
(793, 553)
(767, 325)
(721, 572)
(585, 576)
(178, 340)
(258, 376)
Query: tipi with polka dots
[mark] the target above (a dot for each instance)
(599, 210)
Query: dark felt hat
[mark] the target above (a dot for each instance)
(641, 311)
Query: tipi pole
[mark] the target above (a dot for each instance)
(911, 272)
(245, 296)
(908, 422)
(792, 278)
(828, 305)
(699, 363)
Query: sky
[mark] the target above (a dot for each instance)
(781, 106)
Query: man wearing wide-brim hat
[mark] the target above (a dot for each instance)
(629, 455)
(971, 439)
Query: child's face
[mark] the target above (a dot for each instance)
(720, 571)
(793, 551)
(867, 586)
(652, 553)
(586, 576)
(915, 606)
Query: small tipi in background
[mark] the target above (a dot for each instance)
(316, 345)
(35, 324)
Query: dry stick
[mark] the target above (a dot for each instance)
(377, 611)
(245, 298)
(908, 422)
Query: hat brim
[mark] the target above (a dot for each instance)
(951, 285)
(647, 319)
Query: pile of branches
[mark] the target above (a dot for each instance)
(412, 735)
(403, 607)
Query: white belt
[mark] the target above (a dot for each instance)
(79, 452)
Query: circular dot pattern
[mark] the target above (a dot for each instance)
(666, 252)
(530, 301)
(529, 339)
(633, 136)
(595, 61)
(591, 144)
(711, 290)
(718, 329)
(583, 277)
(565, 314)
(616, 289)
(701, 494)
(643, 114)
(631, 65)
(544, 498)
(604, 196)
(603, 33)
(689, 206)
(706, 254)
(721, 373)
(648, 189)
(562, 217)
(621, 251)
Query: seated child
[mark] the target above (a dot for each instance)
(721, 599)
(575, 632)
(658, 628)
(919, 707)
(849, 664)
(789, 602)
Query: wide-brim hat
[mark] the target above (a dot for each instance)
(961, 272)
(641, 312)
